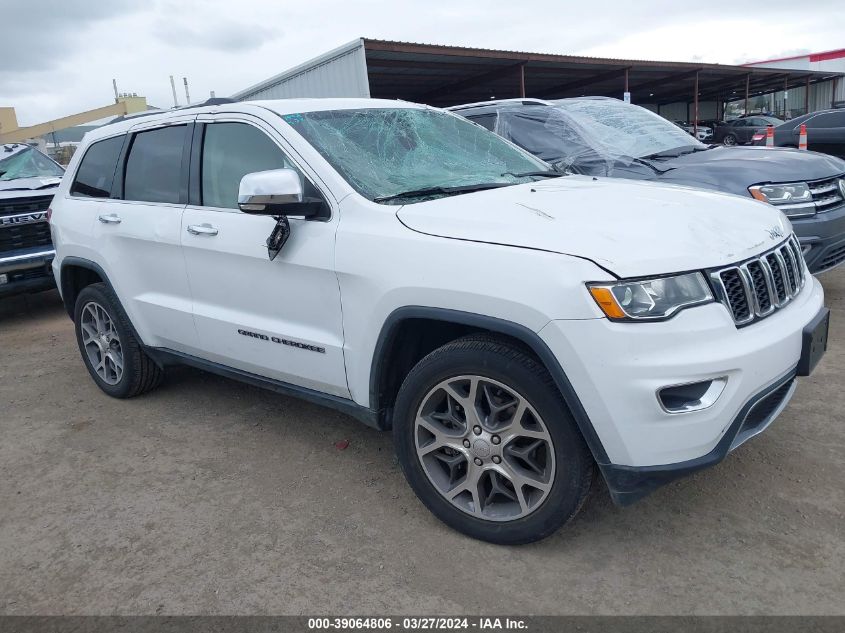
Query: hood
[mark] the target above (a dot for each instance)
(735, 169)
(630, 228)
(12, 188)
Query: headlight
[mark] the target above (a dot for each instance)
(794, 199)
(650, 299)
(842, 186)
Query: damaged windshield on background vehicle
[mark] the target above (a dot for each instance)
(591, 134)
(405, 155)
(28, 163)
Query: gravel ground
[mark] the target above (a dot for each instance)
(211, 497)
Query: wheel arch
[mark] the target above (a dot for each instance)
(76, 273)
(384, 355)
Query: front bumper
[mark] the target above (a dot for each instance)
(27, 270)
(617, 370)
(822, 239)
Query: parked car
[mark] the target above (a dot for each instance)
(514, 326)
(28, 180)
(825, 132)
(741, 131)
(701, 131)
(607, 137)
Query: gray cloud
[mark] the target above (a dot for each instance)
(38, 34)
(229, 36)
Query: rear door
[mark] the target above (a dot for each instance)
(137, 232)
(279, 319)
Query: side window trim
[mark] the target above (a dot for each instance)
(198, 149)
(70, 192)
(118, 186)
(195, 165)
(278, 139)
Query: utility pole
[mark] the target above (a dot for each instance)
(114, 85)
(187, 94)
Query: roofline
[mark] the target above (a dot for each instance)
(463, 51)
(305, 66)
(837, 53)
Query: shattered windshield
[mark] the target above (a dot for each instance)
(619, 128)
(28, 163)
(407, 154)
(593, 135)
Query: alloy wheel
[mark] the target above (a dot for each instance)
(101, 342)
(484, 448)
(729, 140)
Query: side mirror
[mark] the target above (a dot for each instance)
(275, 192)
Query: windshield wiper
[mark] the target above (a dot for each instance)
(441, 191)
(672, 153)
(651, 165)
(542, 174)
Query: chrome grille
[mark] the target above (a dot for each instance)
(826, 196)
(758, 287)
(15, 206)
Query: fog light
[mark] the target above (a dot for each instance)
(693, 396)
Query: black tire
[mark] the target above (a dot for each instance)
(730, 140)
(514, 366)
(140, 373)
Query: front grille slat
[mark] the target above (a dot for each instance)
(13, 238)
(756, 288)
(826, 194)
(15, 206)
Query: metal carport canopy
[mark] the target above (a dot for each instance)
(450, 75)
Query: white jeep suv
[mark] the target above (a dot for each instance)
(519, 329)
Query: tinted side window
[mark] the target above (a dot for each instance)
(828, 119)
(485, 120)
(96, 171)
(154, 165)
(230, 151)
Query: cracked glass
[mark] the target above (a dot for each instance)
(383, 152)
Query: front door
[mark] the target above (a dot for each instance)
(279, 319)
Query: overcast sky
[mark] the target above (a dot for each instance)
(58, 57)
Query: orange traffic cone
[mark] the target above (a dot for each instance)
(770, 136)
(802, 137)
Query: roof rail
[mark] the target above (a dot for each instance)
(213, 101)
(518, 100)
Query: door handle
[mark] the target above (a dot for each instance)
(111, 218)
(201, 229)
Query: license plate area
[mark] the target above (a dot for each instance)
(814, 342)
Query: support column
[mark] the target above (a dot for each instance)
(785, 91)
(626, 81)
(747, 92)
(807, 96)
(695, 108)
(522, 81)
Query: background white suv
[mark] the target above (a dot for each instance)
(514, 326)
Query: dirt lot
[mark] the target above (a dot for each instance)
(208, 496)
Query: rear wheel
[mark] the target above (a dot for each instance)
(487, 443)
(111, 353)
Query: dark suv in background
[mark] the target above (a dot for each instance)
(600, 136)
(741, 131)
(825, 132)
(28, 180)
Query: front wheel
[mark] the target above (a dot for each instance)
(487, 443)
(729, 140)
